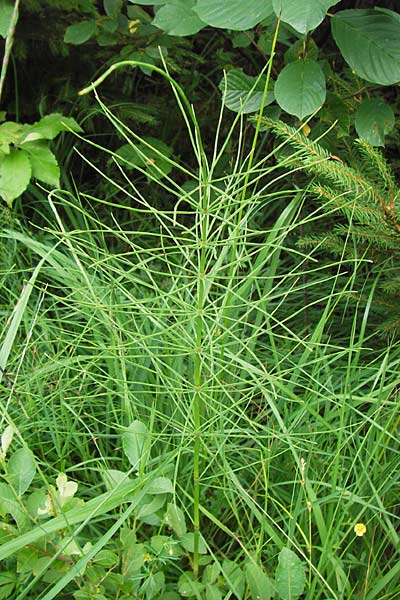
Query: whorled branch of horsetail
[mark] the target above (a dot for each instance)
(232, 262)
(195, 138)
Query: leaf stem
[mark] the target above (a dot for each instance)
(9, 45)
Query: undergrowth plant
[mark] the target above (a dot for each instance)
(173, 424)
(367, 196)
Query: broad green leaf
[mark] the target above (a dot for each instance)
(43, 162)
(153, 585)
(150, 2)
(11, 133)
(290, 577)
(188, 587)
(233, 14)
(6, 11)
(36, 502)
(303, 47)
(112, 478)
(213, 592)
(8, 500)
(134, 443)
(242, 39)
(21, 469)
(259, 583)
(112, 7)
(106, 558)
(302, 15)
(160, 485)
(178, 18)
(6, 439)
(235, 577)
(134, 559)
(159, 543)
(240, 92)
(175, 519)
(15, 174)
(369, 42)
(187, 541)
(49, 127)
(211, 573)
(80, 32)
(300, 88)
(374, 119)
(150, 505)
(152, 158)
(105, 38)
(336, 109)
(8, 581)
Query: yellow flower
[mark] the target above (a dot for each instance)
(132, 25)
(360, 529)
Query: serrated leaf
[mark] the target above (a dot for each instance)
(160, 485)
(240, 93)
(15, 174)
(11, 133)
(259, 583)
(290, 576)
(369, 42)
(178, 18)
(300, 88)
(79, 33)
(374, 119)
(302, 15)
(134, 443)
(49, 127)
(233, 14)
(175, 519)
(43, 162)
(21, 469)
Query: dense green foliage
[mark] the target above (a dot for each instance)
(199, 291)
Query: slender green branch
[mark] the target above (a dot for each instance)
(9, 45)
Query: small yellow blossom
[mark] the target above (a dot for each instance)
(360, 529)
(132, 25)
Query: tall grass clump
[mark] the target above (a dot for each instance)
(191, 405)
